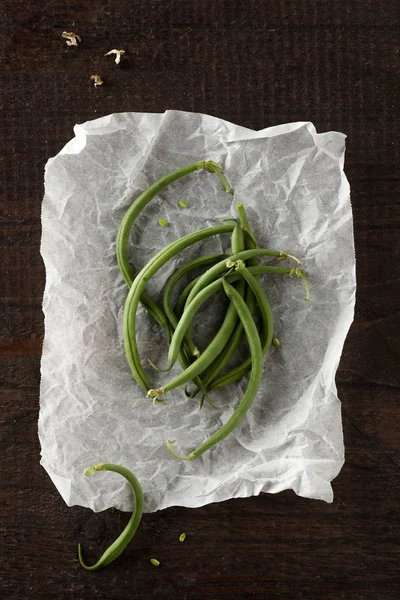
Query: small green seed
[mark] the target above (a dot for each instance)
(276, 342)
(155, 562)
(163, 223)
(182, 204)
(182, 537)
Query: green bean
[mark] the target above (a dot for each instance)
(138, 286)
(212, 350)
(143, 200)
(263, 270)
(168, 310)
(125, 537)
(197, 263)
(237, 242)
(247, 242)
(180, 303)
(267, 321)
(255, 377)
(131, 215)
(237, 245)
(218, 269)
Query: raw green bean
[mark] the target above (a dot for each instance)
(125, 537)
(212, 350)
(138, 286)
(143, 200)
(262, 270)
(237, 245)
(131, 215)
(255, 377)
(197, 263)
(237, 242)
(168, 310)
(266, 321)
(180, 303)
(218, 269)
(247, 242)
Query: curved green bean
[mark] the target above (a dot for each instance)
(247, 242)
(181, 301)
(197, 263)
(267, 322)
(254, 381)
(168, 310)
(138, 286)
(218, 269)
(131, 215)
(183, 296)
(212, 350)
(237, 245)
(143, 200)
(125, 537)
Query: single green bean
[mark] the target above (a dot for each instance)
(237, 245)
(266, 321)
(249, 240)
(197, 263)
(168, 310)
(125, 537)
(131, 215)
(212, 350)
(255, 377)
(138, 286)
(237, 242)
(143, 200)
(180, 303)
(218, 269)
(183, 296)
(246, 243)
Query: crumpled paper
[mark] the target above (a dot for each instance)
(292, 184)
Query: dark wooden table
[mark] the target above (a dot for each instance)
(256, 63)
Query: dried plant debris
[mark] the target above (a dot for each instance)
(71, 37)
(118, 54)
(97, 80)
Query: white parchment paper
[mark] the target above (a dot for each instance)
(292, 183)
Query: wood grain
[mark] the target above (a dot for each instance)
(255, 63)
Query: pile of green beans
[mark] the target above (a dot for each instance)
(235, 273)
